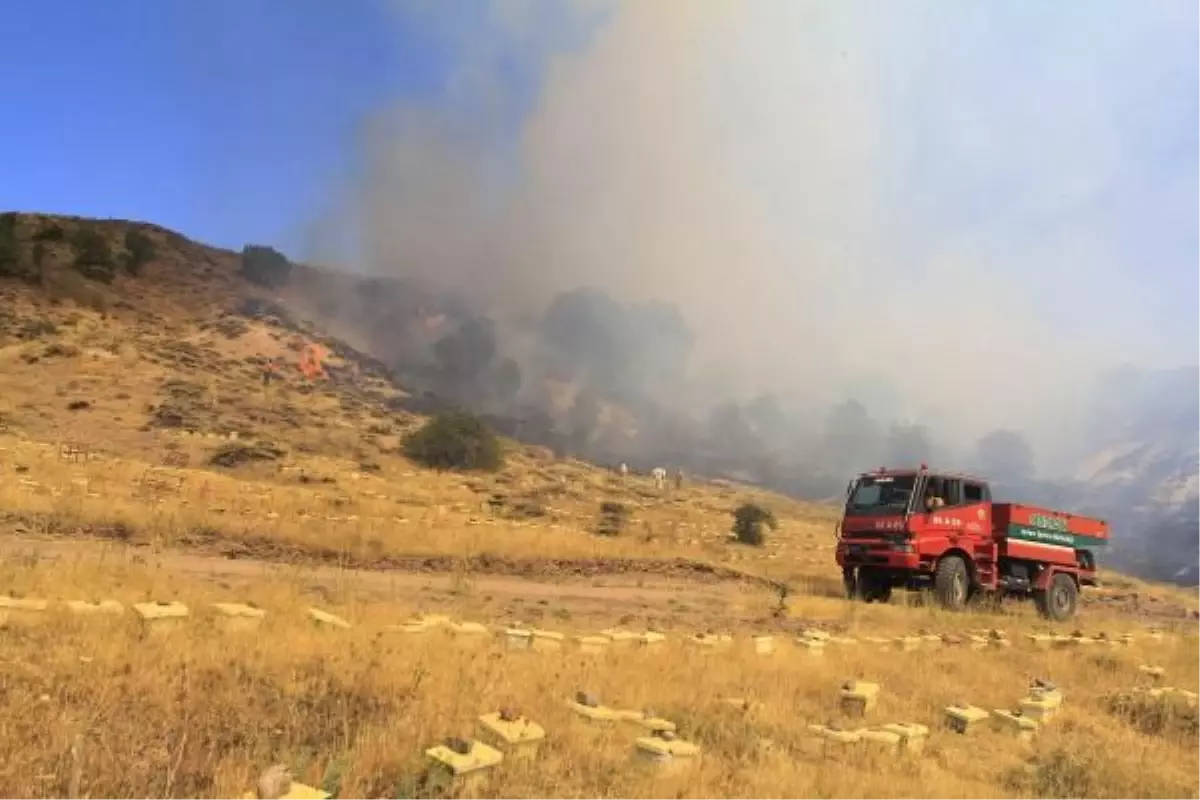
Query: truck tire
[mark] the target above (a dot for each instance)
(870, 587)
(1060, 601)
(873, 587)
(952, 583)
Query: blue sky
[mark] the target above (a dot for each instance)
(227, 120)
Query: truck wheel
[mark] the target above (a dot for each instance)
(1060, 601)
(952, 583)
(850, 584)
(873, 587)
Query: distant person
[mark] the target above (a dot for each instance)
(660, 477)
(270, 370)
(679, 478)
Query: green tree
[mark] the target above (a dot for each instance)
(93, 256)
(10, 254)
(265, 266)
(748, 522)
(139, 250)
(455, 440)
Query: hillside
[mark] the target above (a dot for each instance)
(143, 459)
(166, 366)
(1145, 474)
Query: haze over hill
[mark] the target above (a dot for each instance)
(423, 352)
(880, 248)
(805, 181)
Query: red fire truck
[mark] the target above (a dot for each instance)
(919, 528)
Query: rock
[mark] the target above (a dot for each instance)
(274, 782)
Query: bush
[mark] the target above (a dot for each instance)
(613, 517)
(455, 440)
(10, 254)
(265, 266)
(93, 257)
(748, 521)
(51, 233)
(139, 250)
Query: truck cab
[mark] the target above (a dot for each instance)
(897, 523)
(920, 528)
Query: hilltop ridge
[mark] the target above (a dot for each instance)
(165, 367)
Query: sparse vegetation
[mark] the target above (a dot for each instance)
(50, 233)
(80, 291)
(139, 250)
(455, 440)
(236, 455)
(10, 249)
(1157, 716)
(265, 266)
(93, 256)
(613, 518)
(748, 522)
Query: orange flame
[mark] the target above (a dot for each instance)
(310, 361)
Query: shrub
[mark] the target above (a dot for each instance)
(139, 250)
(748, 521)
(265, 266)
(455, 440)
(93, 257)
(613, 517)
(10, 254)
(51, 233)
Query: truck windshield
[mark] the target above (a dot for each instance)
(881, 494)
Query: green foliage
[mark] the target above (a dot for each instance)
(506, 380)
(748, 521)
(465, 356)
(613, 517)
(455, 440)
(265, 266)
(93, 256)
(10, 254)
(139, 250)
(51, 233)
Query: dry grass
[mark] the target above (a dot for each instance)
(197, 712)
(323, 503)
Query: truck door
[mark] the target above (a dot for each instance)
(977, 507)
(963, 514)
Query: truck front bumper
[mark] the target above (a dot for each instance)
(878, 555)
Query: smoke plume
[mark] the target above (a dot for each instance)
(959, 211)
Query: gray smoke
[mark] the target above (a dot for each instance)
(926, 206)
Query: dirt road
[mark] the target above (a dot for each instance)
(675, 592)
(662, 592)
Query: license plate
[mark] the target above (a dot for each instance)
(857, 550)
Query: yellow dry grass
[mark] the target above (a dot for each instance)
(323, 503)
(199, 712)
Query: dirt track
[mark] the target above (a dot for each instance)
(266, 550)
(603, 588)
(600, 589)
